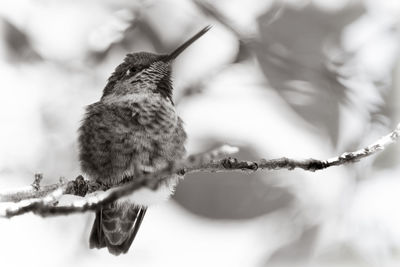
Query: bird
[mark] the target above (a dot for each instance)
(133, 129)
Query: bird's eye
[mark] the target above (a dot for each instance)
(130, 71)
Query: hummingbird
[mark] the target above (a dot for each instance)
(133, 129)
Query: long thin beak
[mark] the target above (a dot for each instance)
(186, 44)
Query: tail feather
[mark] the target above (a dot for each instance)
(96, 239)
(115, 227)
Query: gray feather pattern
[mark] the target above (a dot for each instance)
(133, 125)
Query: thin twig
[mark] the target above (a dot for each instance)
(45, 197)
(15, 195)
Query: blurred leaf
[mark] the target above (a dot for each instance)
(231, 195)
(209, 10)
(139, 28)
(244, 52)
(292, 57)
(18, 45)
(126, 20)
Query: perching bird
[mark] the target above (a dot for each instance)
(134, 125)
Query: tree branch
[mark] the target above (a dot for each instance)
(43, 200)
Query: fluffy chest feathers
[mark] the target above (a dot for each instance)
(155, 114)
(123, 131)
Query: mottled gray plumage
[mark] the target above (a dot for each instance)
(134, 125)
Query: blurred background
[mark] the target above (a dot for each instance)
(291, 78)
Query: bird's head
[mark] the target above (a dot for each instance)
(146, 71)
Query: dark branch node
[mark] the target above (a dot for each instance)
(233, 163)
(314, 164)
(78, 187)
(229, 163)
(182, 171)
